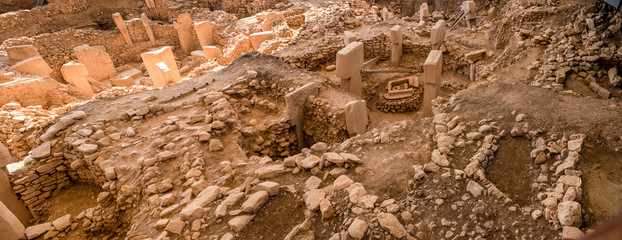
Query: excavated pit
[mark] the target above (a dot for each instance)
(512, 170)
(602, 174)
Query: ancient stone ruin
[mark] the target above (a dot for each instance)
(339, 120)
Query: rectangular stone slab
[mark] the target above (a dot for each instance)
(258, 38)
(22, 52)
(10, 226)
(350, 60)
(356, 117)
(76, 74)
(211, 52)
(294, 105)
(437, 34)
(432, 67)
(349, 37)
(118, 20)
(161, 66)
(34, 65)
(97, 62)
(147, 24)
(470, 5)
(204, 33)
(396, 44)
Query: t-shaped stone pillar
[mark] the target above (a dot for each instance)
(356, 117)
(258, 38)
(183, 25)
(472, 57)
(211, 52)
(204, 33)
(10, 226)
(118, 20)
(294, 105)
(386, 15)
(437, 34)
(76, 74)
(396, 45)
(349, 64)
(146, 23)
(97, 62)
(161, 66)
(432, 69)
(472, 16)
(424, 12)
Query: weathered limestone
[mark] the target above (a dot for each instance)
(118, 20)
(472, 57)
(386, 15)
(161, 66)
(76, 74)
(356, 117)
(271, 17)
(21, 52)
(127, 76)
(183, 25)
(396, 45)
(10, 227)
(211, 52)
(432, 69)
(97, 62)
(424, 12)
(349, 64)
(258, 38)
(34, 65)
(294, 105)
(147, 24)
(437, 34)
(204, 33)
(472, 16)
(349, 37)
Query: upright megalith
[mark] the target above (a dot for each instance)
(424, 12)
(356, 117)
(271, 18)
(258, 38)
(147, 24)
(349, 37)
(349, 64)
(396, 45)
(204, 32)
(472, 14)
(21, 52)
(183, 25)
(161, 66)
(432, 69)
(118, 20)
(294, 105)
(10, 226)
(98, 63)
(34, 65)
(437, 34)
(211, 52)
(77, 74)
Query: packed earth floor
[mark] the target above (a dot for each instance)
(340, 120)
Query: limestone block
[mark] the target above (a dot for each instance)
(396, 44)
(97, 62)
(432, 69)
(258, 38)
(356, 117)
(350, 60)
(145, 20)
(76, 74)
(294, 105)
(183, 25)
(161, 66)
(34, 65)
(211, 52)
(470, 5)
(204, 33)
(118, 20)
(126, 77)
(21, 52)
(437, 34)
(271, 17)
(349, 37)
(10, 226)
(5, 156)
(424, 12)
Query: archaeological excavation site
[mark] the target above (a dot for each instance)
(303, 120)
